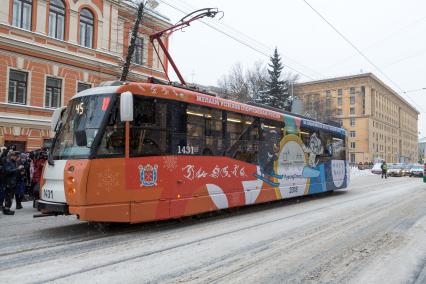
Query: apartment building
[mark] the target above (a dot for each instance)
(381, 125)
(51, 49)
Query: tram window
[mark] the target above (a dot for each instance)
(204, 131)
(271, 129)
(326, 145)
(112, 143)
(176, 121)
(144, 111)
(305, 134)
(269, 145)
(339, 150)
(148, 131)
(242, 133)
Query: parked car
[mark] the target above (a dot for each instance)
(377, 168)
(395, 170)
(416, 170)
(406, 169)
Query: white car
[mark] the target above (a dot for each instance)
(377, 168)
(395, 170)
(416, 170)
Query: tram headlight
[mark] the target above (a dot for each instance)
(71, 185)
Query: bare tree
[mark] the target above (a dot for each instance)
(234, 85)
(247, 85)
(256, 79)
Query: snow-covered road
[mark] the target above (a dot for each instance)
(373, 233)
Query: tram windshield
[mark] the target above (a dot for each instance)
(80, 126)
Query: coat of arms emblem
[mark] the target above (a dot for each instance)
(148, 175)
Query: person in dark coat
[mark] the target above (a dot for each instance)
(21, 180)
(2, 177)
(11, 170)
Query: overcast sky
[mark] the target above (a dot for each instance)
(391, 33)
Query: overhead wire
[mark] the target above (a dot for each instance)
(256, 41)
(389, 35)
(238, 40)
(412, 55)
(415, 90)
(359, 51)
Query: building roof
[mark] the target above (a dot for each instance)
(357, 76)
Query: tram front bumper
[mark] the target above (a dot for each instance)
(51, 208)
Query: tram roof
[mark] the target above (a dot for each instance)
(193, 96)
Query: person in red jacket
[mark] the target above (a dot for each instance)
(39, 161)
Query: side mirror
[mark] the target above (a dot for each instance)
(81, 138)
(126, 106)
(56, 117)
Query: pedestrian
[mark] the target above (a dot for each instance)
(11, 170)
(2, 177)
(39, 161)
(20, 181)
(384, 168)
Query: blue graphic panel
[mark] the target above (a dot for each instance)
(317, 184)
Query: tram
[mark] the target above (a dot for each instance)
(141, 152)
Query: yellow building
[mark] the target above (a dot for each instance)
(379, 122)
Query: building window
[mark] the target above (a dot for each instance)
(352, 121)
(17, 87)
(139, 50)
(57, 19)
(352, 158)
(352, 90)
(339, 92)
(341, 122)
(86, 28)
(328, 94)
(352, 110)
(352, 133)
(339, 101)
(339, 111)
(353, 145)
(352, 100)
(53, 92)
(82, 86)
(22, 10)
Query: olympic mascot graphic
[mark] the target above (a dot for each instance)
(313, 149)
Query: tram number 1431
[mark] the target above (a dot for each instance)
(186, 150)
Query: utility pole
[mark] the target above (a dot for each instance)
(131, 49)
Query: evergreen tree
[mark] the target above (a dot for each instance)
(276, 93)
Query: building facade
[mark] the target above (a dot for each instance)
(51, 49)
(381, 125)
